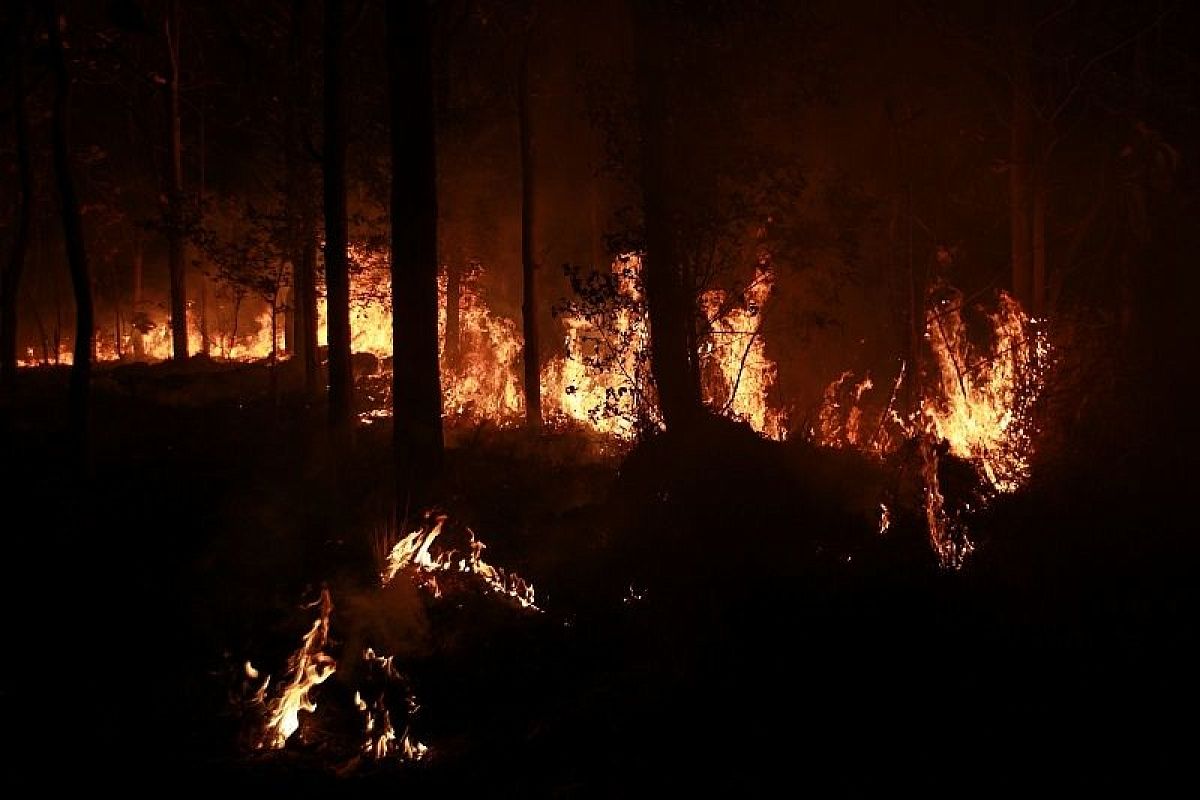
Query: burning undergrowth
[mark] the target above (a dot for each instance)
(970, 421)
(345, 697)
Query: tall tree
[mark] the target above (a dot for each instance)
(337, 270)
(673, 361)
(301, 210)
(175, 223)
(1020, 167)
(11, 282)
(72, 221)
(416, 383)
(529, 309)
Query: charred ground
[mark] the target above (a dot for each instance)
(718, 612)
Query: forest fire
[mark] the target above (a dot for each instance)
(984, 396)
(744, 376)
(874, 336)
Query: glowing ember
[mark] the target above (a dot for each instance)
(308, 667)
(885, 519)
(416, 553)
(738, 376)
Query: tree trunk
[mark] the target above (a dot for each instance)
(301, 209)
(135, 331)
(1021, 165)
(453, 346)
(533, 382)
(306, 303)
(1038, 308)
(416, 384)
(175, 245)
(672, 363)
(337, 274)
(10, 284)
(72, 234)
(204, 339)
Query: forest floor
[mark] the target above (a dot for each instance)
(718, 614)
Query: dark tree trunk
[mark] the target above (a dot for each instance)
(205, 346)
(176, 265)
(301, 209)
(1020, 169)
(1038, 305)
(416, 385)
(529, 322)
(672, 361)
(306, 303)
(81, 284)
(11, 283)
(337, 273)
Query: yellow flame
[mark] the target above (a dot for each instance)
(982, 401)
(416, 553)
(380, 736)
(738, 375)
(308, 667)
(601, 382)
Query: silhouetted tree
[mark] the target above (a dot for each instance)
(529, 308)
(72, 221)
(416, 386)
(11, 282)
(176, 265)
(301, 211)
(337, 274)
(674, 361)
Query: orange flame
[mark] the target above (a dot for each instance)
(602, 380)
(739, 376)
(984, 396)
(415, 553)
(308, 667)
(380, 736)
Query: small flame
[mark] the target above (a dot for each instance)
(308, 667)
(380, 735)
(416, 552)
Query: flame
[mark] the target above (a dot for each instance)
(380, 736)
(483, 384)
(977, 399)
(738, 374)
(948, 536)
(602, 380)
(416, 553)
(982, 402)
(308, 667)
